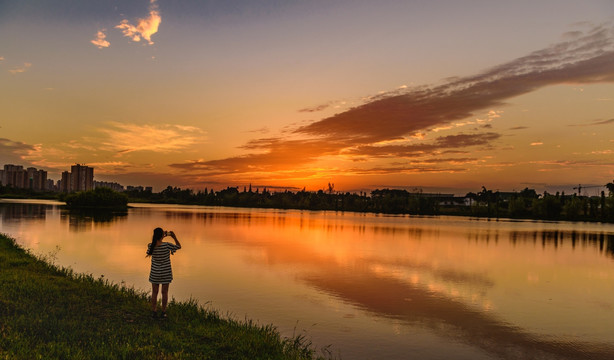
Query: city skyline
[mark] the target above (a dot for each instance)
(444, 96)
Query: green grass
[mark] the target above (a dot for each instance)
(50, 312)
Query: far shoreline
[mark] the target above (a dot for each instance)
(482, 217)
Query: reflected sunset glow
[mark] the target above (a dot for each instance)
(485, 289)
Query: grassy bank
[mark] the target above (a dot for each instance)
(50, 312)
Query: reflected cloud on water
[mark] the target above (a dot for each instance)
(416, 304)
(387, 294)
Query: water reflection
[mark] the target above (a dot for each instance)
(367, 283)
(419, 305)
(87, 220)
(11, 212)
(18, 211)
(378, 286)
(556, 238)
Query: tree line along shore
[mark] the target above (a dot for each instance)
(525, 204)
(48, 312)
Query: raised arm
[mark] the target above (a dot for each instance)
(172, 234)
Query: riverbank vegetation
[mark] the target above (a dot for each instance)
(49, 312)
(525, 204)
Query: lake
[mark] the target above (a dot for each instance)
(363, 286)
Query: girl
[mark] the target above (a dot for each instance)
(161, 271)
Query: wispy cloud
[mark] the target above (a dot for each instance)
(602, 152)
(14, 151)
(112, 167)
(100, 40)
(596, 123)
(458, 141)
(407, 113)
(125, 138)
(1, 58)
(407, 169)
(21, 69)
(145, 28)
(315, 108)
(569, 163)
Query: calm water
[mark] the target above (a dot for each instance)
(371, 286)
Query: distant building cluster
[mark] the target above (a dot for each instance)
(111, 185)
(79, 178)
(139, 188)
(119, 187)
(18, 177)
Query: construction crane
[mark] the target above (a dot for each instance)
(580, 187)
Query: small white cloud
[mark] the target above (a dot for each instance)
(100, 40)
(21, 69)
(493, 114)
(145, 28)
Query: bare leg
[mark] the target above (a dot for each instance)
(164, 296)
(154, 295)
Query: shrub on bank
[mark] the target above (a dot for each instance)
(99, 198)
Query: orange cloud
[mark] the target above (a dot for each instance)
(145, 28)
(423, 148)
(277, 155)
(126, 138)
(100, 40)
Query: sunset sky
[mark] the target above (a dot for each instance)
(440, 95)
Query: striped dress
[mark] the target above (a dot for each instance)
(161, 271)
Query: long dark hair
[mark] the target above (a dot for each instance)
(158, 234)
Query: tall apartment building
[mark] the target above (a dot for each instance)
(81, 178)
(64, 183)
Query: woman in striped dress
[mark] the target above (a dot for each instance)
(161, 271)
